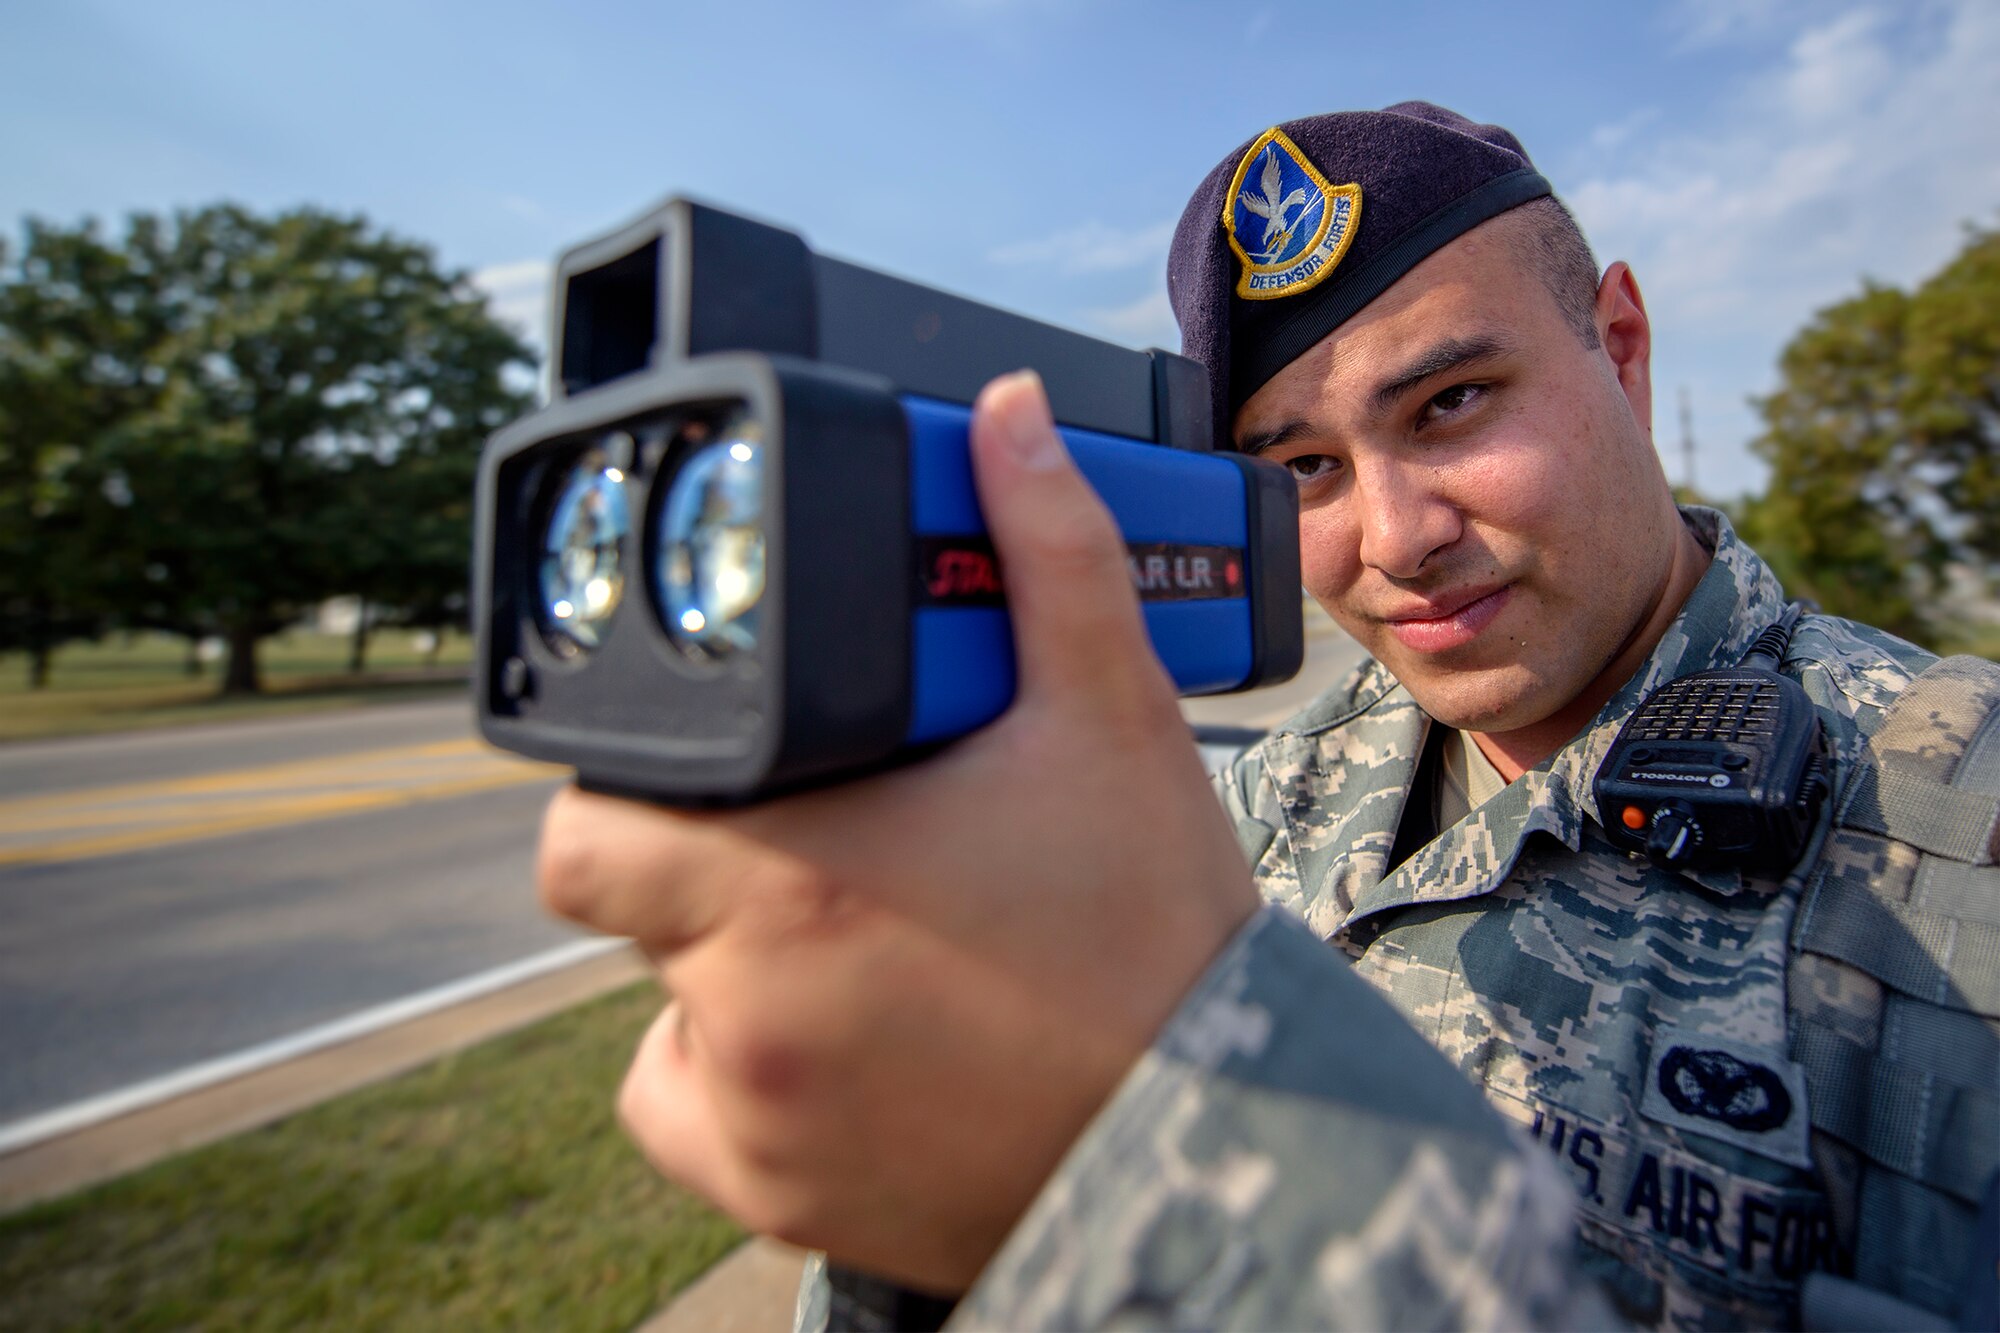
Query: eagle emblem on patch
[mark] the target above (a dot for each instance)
(1287, 225)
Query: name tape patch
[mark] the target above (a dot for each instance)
(1287, 224)
(1762, 1235)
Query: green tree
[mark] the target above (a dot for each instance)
(1953, 408)
(408, 508)
(314, 397)
(1882, 441)
(333, 379)
(75, 325)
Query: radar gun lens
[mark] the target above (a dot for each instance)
(582, 573)
(711, 547)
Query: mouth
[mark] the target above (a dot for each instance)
(1450, 622)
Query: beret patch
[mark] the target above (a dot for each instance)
(1289, 226)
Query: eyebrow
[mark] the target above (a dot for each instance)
(1271, 439)
(1451, 354)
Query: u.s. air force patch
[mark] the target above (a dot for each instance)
(1287, 225)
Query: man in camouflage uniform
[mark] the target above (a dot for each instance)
(1388, 307)
(1560, 973)
(1630, 1018)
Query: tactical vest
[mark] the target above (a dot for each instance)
(1894, 999)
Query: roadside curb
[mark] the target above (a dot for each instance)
(113, 1147)
(751, 1290)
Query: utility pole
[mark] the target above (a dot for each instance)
(1687, 443)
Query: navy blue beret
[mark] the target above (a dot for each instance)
(1301, 227)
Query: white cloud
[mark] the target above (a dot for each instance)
(1838, 66)
(1854, 156)
(524, 208)
(1010, 29)
(518, 295)
(981, 7)
(1698, 24)
(1606, 137)
(1858, 150)
(1146, 322)
(1092, 248)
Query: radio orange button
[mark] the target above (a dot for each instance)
(1634, 817)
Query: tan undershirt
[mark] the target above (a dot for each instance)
(1466, 780)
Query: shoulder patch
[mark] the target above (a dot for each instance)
(1726, 1090)
(1288, 226)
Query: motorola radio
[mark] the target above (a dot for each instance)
(1720, 768)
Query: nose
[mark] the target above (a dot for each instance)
(1405, 518)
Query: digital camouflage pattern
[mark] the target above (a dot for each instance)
(1289, 1155)
(1895, 993)
(1182, 1205)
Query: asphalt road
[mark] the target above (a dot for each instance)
(1330, 654)
(43, 767)
(178, 896)
(131, 951)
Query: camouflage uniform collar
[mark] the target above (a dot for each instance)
(1733, 602)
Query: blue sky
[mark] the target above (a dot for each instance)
(1754, 160)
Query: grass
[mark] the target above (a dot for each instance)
(490, 1190)
(137, 681)
(1981, 639)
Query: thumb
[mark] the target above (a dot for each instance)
(1078, 630)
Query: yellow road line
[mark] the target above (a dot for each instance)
(300, 810)
(86, 811)
(183, 811)
(270, 775)
(105, 821)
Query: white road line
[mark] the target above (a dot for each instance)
(106, 1106)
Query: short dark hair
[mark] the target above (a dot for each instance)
(1549, 242)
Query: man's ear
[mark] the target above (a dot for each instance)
(1627, 338)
